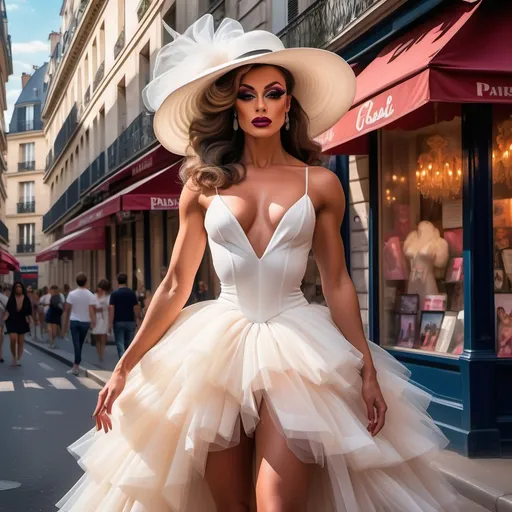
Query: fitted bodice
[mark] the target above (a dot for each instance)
(261, 287)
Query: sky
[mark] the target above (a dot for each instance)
(30, 23)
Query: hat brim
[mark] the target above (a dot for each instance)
(325, 87)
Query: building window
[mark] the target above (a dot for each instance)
(293, 10)
(26, 203)
(502, 221)
(26, 238)
(29, 117)
(421, 298)
(144, 70)
(27, 157)
(170, 19)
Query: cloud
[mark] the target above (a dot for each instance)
(20, 66)
(13, 93)
(12, 7)
(30, 47)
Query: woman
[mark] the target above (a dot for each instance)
(17, 317)
(53, 317)
(36, 335)
(258, 376)
(44, 304)
(100, 330)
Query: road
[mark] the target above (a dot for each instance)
(43, 409)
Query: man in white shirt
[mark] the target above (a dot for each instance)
(80, 316)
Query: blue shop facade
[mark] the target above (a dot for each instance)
(432, 124)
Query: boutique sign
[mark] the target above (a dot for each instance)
(164, 203)
(485, 90)
(369, 114)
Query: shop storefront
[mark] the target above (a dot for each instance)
(433, 112)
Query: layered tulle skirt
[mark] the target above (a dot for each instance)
(205, 380)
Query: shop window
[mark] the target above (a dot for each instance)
(421, 292)
(502, 221)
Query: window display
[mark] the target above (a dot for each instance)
(502, 220)
(421, 239)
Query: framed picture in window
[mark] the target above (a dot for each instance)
(430, 329)
(407, 331)
(408, 304)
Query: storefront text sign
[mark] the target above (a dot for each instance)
(493, 91)
(144, 164)
(164, 203)
(368, 114)
(89, 218)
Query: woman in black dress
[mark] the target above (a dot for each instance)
(16, 316)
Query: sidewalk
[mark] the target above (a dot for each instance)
(486, 482)
(92, 368)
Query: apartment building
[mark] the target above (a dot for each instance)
(113, 189)
(27, 196)
(8, 263)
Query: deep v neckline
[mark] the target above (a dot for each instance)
(274, 234)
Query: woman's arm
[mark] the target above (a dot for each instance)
(338, 289)
(173, 292)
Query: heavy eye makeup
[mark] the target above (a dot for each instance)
(274, 94)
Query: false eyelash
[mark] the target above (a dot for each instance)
(276, 94)
(245, 96)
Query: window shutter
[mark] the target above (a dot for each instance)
(37, 117)
(20, 118)
(293, 9)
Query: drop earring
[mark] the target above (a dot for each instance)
(287, 121)
(235, 121)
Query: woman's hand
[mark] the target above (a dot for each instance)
(375, 404)
(113, 388)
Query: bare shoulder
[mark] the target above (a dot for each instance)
(326, 188)
(190, 197)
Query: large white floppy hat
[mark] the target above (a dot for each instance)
(324, 83)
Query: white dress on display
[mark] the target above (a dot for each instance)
(426, 251)
(205, 379)
(101, 326)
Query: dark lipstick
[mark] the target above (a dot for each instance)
(261, 122)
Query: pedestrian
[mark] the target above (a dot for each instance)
(101, 329)
(66, 289)
(35, 315)
(44, 304)
(124, 314)
(80, 316)
(3, 307)
(17, 316)
(53, 316)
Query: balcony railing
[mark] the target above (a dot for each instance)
(322, 21)
(136, 137)
(4, 231)
(119, 44)
(142, 9)
(26, 166)
(26, 248)
(65, 202)
(63, 137)
(99, 76)
(87, 97)
(25, 206)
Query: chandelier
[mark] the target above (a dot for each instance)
(438, 172)
(502, 154)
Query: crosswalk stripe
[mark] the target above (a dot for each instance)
(60, 383)
(46, 367)
(6, 385)
(88, 383)
(32, 384)
(27, 352)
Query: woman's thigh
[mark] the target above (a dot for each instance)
(282, 480)
(229, 476)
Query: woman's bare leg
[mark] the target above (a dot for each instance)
(20, 345)
(229, 476)
(282, 480)
(13, 341)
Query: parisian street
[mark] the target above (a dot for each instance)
(43, 410)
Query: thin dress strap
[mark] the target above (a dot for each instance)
(216, 191)
(307, 172)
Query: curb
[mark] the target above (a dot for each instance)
(477, 492)
(99, 376)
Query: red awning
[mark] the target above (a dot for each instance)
(449, 58)
(8, 262)
(155, 159)
(88, 239)
(161, 191)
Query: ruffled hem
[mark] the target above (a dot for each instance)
(204, 381)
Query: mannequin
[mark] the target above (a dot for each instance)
(426, 251)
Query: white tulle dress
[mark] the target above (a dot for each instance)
(261, 339)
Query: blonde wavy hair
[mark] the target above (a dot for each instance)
(216, 149)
